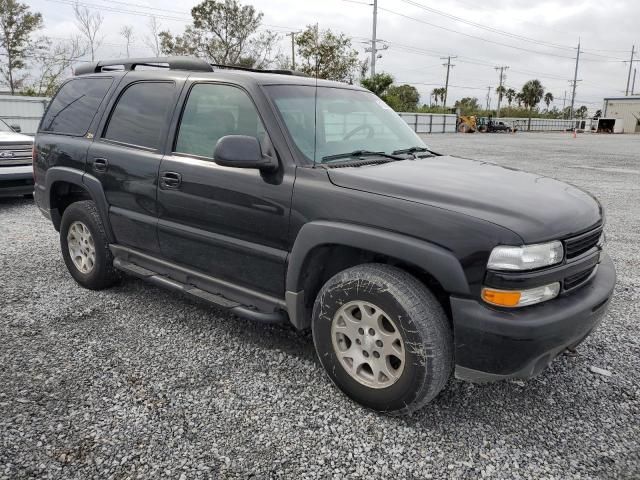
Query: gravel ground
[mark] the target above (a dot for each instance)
(136, 382)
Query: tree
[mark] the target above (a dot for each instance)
(17, 23)
(127, 33)
(223, 32)
(152, 40)
(548, 98)
(402, 98)
(468, 105)
(52, 63)
(532, 92)
(582, 112)
(326, 54)
(438, 94)
(510, 94)
(89, 24)
(378, 83)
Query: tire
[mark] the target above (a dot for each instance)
(100, 272)
(404, 307)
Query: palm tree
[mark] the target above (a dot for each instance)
(548, 98)
(518, 98)
(501, 91)
(436, 95)
(532, 92)
(510, 94)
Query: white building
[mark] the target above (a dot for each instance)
(625, 108)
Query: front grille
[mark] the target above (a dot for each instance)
(580, 244)
(577, 278)
(16, 154)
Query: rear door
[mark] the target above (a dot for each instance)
(230, 223)
(126, 155)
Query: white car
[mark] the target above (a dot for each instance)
(16, 169)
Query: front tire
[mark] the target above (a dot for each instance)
(85, 247)
(383, 338)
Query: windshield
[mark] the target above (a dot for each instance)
(4, 127)
(343, 121)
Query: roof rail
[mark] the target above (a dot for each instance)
(128, 64)
(259, 70)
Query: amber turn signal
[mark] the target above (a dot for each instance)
(501, 298)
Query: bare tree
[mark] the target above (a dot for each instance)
(52, 64)
(127, 32)
(89, 24)
(153, 39)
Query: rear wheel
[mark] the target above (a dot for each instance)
(85, 247)
(383, 338)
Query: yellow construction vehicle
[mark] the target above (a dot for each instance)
(467, 123)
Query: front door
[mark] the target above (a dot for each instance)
(230, 223)
(126, 157)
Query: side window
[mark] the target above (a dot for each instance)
(213, 111)
(73, 108)
(141, 114)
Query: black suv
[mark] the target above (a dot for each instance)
(286, 198)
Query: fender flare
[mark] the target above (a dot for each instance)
(437, 261)
(85, 181)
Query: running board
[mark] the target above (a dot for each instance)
(124, 261)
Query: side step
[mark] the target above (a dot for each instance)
(209, 297)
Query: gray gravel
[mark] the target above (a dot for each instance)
(136, 382)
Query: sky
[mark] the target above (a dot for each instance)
(534, 39)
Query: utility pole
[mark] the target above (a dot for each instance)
(564, 101)
(633, 83)
(488, 97)
(502, 77)
(374, 40)
(293, 49)
(446, 85)
(633, 51)
(575, 81)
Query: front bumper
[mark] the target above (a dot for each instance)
(493, 344)
(16, 180)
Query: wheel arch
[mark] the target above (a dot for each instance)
(323, 248)
(65, 186)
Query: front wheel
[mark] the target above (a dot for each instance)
(383, 338)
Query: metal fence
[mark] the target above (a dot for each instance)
(546, 124)
(23, 111)
(430, 122)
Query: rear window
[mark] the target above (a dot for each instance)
(141, 114)
(73, 108)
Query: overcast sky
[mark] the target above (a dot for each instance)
(418, 37)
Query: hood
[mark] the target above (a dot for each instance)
(13, 137)
(535, 207)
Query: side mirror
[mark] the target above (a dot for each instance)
(16, 128)
(242, 151)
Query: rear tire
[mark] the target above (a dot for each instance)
(85, 247)
(383, 338)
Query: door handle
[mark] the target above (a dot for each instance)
(100, 164)
(170, 180)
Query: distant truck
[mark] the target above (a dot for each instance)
(16, 170)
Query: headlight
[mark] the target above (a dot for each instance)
(526, 257)
(520, 298)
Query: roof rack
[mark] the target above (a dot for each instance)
(259, 70)
(128, 64)
(171, 63)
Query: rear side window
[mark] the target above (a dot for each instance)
(141, 114)
(213, 111)
(73, 108)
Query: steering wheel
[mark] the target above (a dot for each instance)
(359, 128)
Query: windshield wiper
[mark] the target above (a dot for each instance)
(411, 150)
(360, 153)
